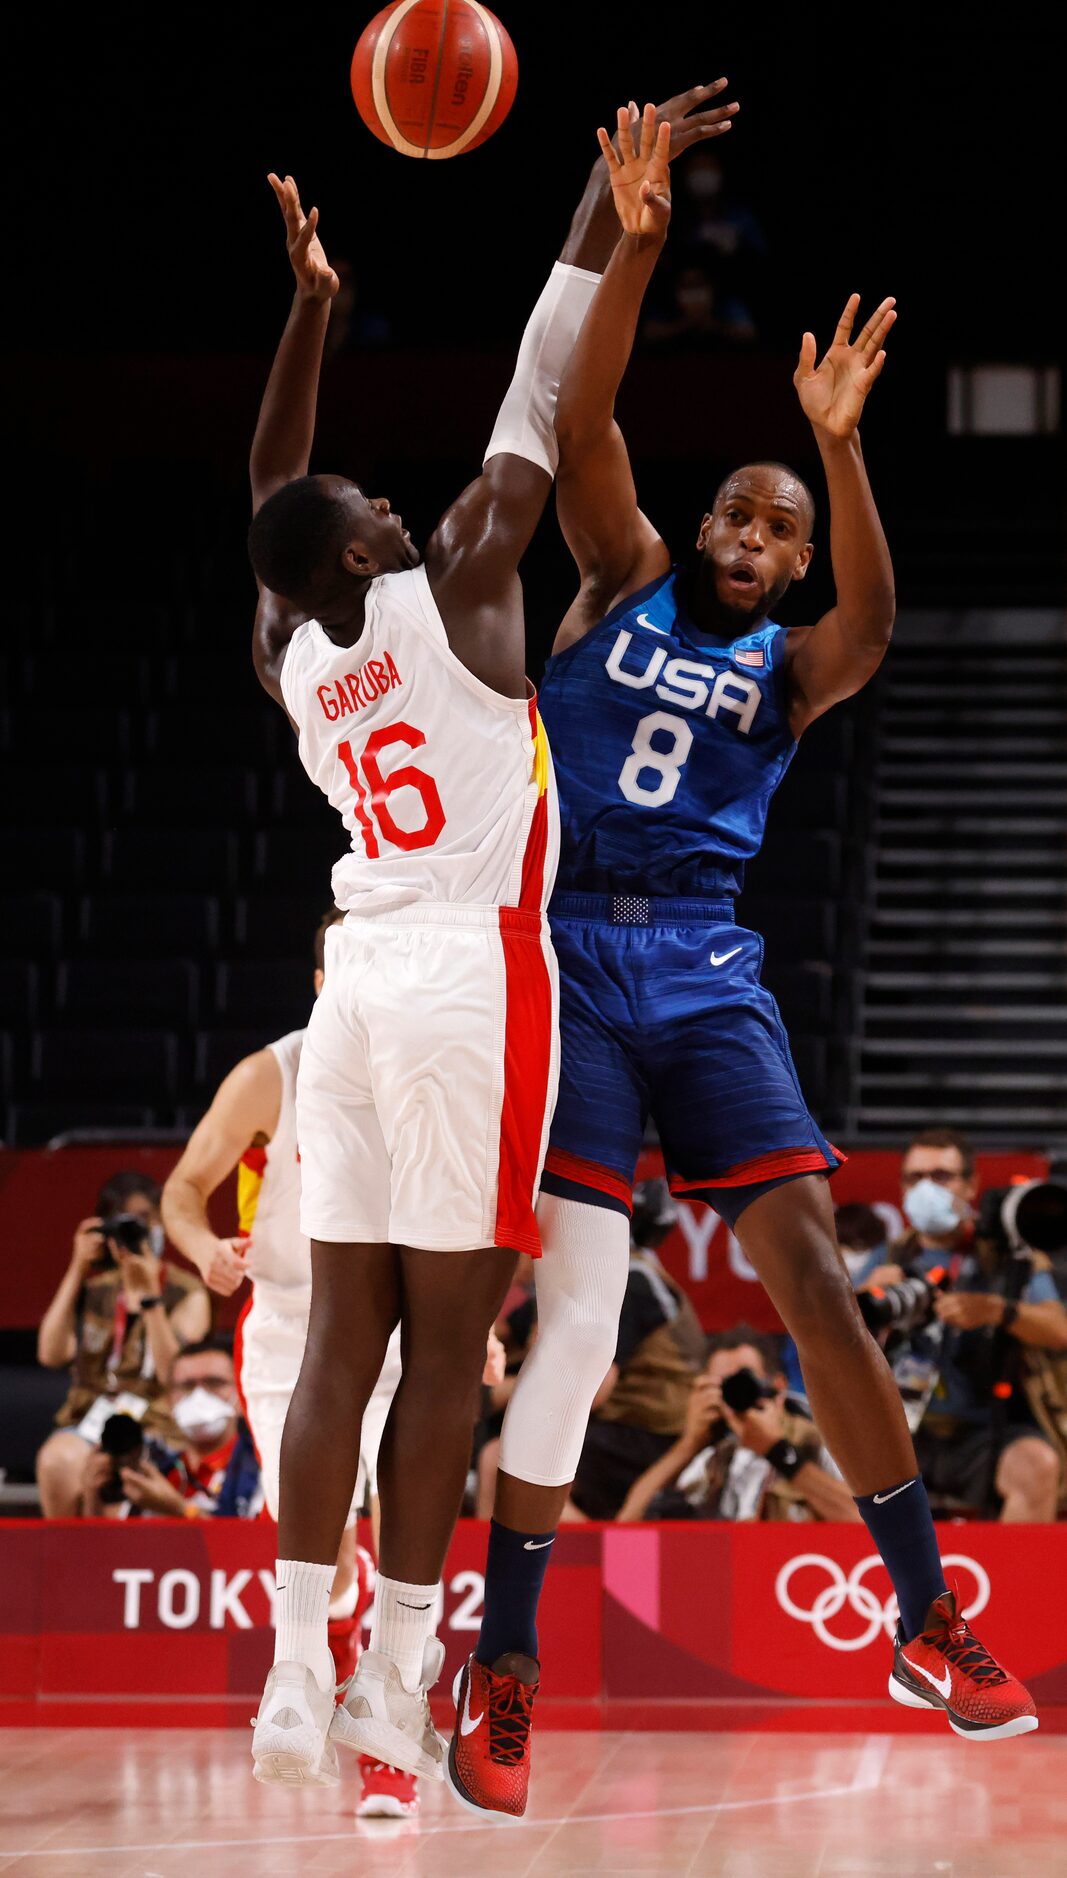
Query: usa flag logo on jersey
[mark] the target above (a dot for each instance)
(750, 655)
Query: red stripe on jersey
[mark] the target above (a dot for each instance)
(255, 1159)
(772, 1166)
(589, 1174)
(238, 1359)
(528, 1031)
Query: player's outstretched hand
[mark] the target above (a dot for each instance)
(833, 393)
(640, 179)
(692, 117)
(315, 277)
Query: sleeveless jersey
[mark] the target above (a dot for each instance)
(667, 749)
(444, 787)
(268, 1198)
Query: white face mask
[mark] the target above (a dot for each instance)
(202, 1416)
(930, 1207)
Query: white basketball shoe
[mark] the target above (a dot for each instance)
(382, 1718)
(291, 1745)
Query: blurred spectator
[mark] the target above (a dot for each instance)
(214, 1469)
(353, 327)
(969, 1349)
(119, 1317)
(765, 1461)
(640, 1408)
(699, 313)
(708, 215)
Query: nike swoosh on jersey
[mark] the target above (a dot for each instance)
(467, 1724)
(881, 1498)
(643, 620)
(943, 1684)
(720, 958)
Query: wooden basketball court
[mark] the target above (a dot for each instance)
(125, 1804)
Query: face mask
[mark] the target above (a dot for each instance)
(157, 1239)
(704, 182)
(931, 1207)
(202, 1416)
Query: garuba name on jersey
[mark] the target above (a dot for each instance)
(668, 748)
(445, 788)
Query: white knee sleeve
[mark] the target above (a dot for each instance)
(581, 1282)
(526, 423)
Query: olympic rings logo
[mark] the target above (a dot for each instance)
(860, 1598)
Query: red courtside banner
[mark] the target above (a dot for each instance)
(703, 1625)
(44, 1193)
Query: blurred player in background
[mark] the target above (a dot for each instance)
(251, 1126)
(674, 705)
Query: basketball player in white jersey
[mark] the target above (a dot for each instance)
(251, 1126)
(428, 1071)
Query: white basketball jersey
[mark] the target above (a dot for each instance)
(268, 1193)
(444, 787)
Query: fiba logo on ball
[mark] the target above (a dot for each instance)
(434, 79)
(851, 1591)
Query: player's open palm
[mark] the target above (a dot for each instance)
(640, 178)
(314, 275)
(833, 392)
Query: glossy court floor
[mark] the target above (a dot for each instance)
(78, 1803)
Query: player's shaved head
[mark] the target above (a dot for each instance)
(301, 530)
(762, 477)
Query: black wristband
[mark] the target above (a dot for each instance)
(149, 1303)
(1008, 1314)
(784, 1459)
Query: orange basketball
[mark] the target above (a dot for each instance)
(434, 77)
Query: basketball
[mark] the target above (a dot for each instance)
(434, 78)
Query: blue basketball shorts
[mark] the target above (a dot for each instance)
(662, 1014)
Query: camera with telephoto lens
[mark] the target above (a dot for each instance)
(127, 1229)
(906, 1306)
(1028, 1216)
(122, 1437)
(744, 1389)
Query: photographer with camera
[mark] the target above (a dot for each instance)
(975, 1332)
(119, 1317)
(639, 1409)
(212, 1469)
(748, 1449)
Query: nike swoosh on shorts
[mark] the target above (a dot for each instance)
(720, 958)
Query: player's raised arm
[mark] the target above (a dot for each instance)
(835, 658)
(281, 447)
(473, 557)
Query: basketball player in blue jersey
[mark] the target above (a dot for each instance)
(673, 704)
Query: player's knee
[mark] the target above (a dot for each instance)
(819, 1304)
(61, 1460)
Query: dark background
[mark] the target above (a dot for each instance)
(148, 280)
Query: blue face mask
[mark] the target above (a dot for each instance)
(932, 1208)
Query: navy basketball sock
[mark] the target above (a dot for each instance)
(900, 1523)
(515, 1568)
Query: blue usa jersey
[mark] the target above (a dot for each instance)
(667, 748)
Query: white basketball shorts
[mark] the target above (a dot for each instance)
(427, 1080)
(268, 1351)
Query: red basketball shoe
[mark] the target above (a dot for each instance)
(345, 1634)
(488, 1765)
(946, 1667)
(388, 1793)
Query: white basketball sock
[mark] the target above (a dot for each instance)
(402, 1624)
(302, 1604)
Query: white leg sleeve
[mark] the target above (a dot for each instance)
(526, 422)
(581, 1281)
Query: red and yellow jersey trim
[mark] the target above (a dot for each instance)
(250, 1171)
